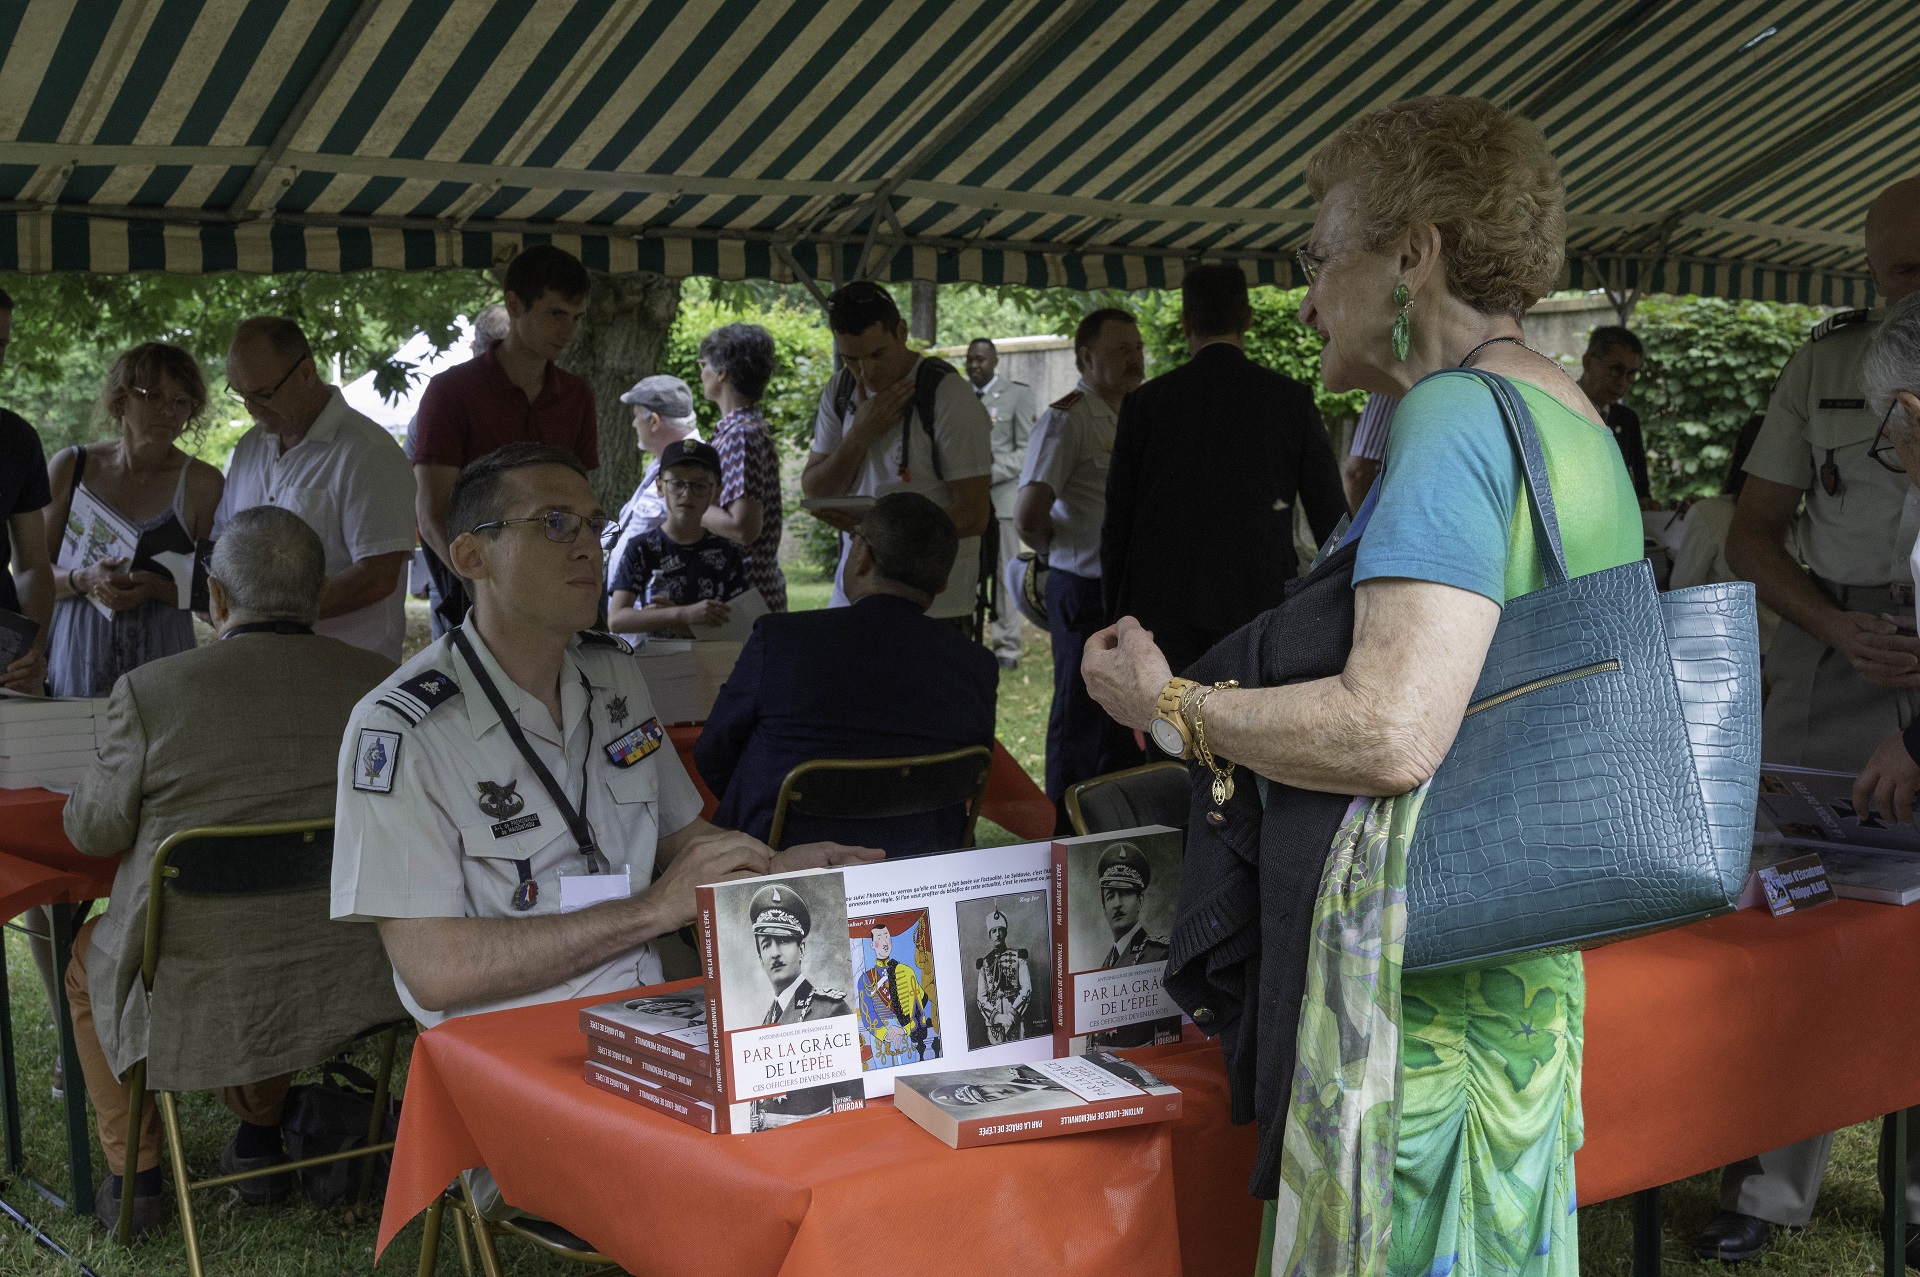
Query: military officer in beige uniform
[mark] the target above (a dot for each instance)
(1845, 667)
(1010, 404)
(509, 812)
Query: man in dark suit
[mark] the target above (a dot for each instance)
(877, 679)
(1209, 461)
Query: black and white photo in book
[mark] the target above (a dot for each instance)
(1008, 962)
(784, 962)
(685, 1009)
(1121, 894)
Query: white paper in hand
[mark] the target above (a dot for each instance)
(577, 891)
(180, 568)
(742, 611)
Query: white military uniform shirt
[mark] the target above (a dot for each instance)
(435, 804)
(1009, 406)
(1070, 451)
(352, 484)
(1863, 533)
(963, 435)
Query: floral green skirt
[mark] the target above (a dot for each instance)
(1434, 1118)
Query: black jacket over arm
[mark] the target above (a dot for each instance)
(1237, 957)
(1208, 461)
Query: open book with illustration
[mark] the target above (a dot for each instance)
(824, 987)
(1867, 856)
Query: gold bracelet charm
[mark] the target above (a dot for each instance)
(1222, 769)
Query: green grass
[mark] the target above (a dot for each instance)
(297, 1241)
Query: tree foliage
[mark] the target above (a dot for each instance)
(69, 328)
(1710, 365)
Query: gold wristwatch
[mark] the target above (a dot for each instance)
(1169, 729)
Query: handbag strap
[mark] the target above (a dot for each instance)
(1533, 464)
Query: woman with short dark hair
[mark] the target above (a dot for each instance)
(736, 362)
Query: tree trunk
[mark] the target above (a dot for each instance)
(924, 322)
(621, 339)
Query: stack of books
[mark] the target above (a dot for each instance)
(48, 743)
(653, 1048)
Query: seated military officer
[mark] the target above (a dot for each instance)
(507, 797)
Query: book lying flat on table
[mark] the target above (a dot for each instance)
(658, 1034)
(1005, 1103)
(698, 1114)
(1867, 855)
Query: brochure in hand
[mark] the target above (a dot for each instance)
(826, 987)
(94, 531)
(1006, 1103)
(1113, 901)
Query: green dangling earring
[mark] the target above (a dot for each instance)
(1402, 326)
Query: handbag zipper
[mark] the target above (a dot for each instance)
(1551, 680)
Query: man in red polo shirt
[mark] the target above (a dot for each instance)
(514, 393)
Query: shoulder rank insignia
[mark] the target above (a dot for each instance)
(637, 744)
(1067, 401)
(600, 638)
(414, 699)
(1838, 320)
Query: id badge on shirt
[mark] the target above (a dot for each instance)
(578, 891)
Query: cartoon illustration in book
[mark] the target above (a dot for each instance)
(895, 1000)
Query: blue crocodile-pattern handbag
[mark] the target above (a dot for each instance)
(1604, 779)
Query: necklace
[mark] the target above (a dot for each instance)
(1520, 342)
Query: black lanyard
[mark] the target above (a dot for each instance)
(524, 898)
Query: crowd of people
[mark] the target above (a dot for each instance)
(513, 827)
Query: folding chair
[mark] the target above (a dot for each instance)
(468, 1222)
(1156, 794)
(875, 788)
(227, 863)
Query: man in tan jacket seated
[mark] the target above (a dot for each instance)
(241, 731)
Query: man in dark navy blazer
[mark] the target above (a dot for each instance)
(876, 679)
(1209, 462)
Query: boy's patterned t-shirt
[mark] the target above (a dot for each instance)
(660, 570)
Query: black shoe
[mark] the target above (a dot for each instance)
(1733, 1237)
(1008, 662)
(149, 1209)
(255, 1192)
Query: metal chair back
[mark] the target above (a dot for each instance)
(235, 860)
(876, 788)
(1156, 794)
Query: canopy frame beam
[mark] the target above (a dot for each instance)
(309, 97)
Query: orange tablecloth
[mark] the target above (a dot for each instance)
(1013, 801)
(816, 1197)
(1734, 1036)
(1703, 1045)
(38, 866)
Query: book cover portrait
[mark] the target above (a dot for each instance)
(786, 975)
(894, 993)
(1120, 896)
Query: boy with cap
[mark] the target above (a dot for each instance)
(662, 413)
(679, 575)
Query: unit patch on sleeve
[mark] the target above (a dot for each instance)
(374, 758)
(637, 744)
(414, 699)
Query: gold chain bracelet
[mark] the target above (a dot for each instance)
(1222, 769)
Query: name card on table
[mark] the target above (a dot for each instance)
(1793, 885)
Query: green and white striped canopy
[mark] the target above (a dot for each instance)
(1725, 148)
